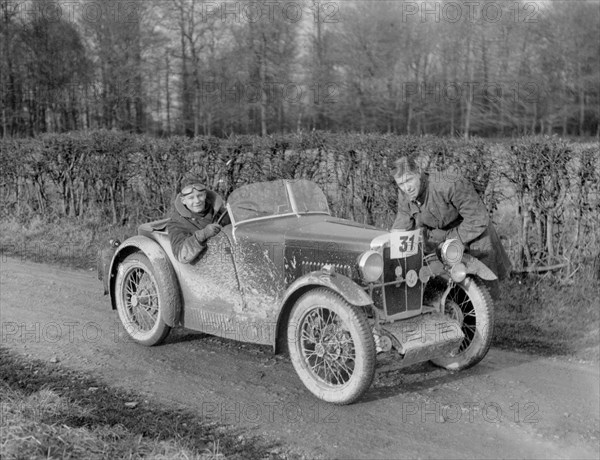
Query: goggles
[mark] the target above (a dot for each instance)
(190, 188)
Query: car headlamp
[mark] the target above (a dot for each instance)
(370, 265)
(451, 251)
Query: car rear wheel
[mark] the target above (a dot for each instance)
(471, 305)
(139, 302)
(331, 347)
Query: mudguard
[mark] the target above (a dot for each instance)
(344, 286)
(474, 267)
(163, 272)
(105, 256)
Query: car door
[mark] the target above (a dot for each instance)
(210, 287)
(259, 263)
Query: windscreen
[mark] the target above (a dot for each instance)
(266, 199)
(308, 196)
(262, 199)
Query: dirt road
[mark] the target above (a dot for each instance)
(512, 405)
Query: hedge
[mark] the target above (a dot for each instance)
(119, 177)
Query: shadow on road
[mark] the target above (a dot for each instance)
(425, 376)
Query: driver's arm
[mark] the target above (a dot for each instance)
(186, 246)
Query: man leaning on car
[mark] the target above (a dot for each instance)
(449, 207)
(191, 222)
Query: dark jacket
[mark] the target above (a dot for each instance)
(183, 224)
(449, 207)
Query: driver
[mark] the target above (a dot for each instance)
(448, 206)
(190, 224)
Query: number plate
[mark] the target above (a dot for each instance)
(404, 244)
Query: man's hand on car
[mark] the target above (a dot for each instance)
(207, 232)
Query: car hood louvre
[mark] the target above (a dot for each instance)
(332, 234)
(351, 224)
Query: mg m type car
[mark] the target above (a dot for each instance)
(341, 297)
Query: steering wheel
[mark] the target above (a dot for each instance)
(220, 218)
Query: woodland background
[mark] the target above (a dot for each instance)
(192, 67)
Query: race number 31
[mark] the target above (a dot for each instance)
(404, 244)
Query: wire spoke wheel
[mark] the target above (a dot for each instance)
(138, 300)
(327, 346)
(331, 346)
(460, 308)
(469, 303)
(141, 299)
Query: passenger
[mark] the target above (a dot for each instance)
(447, 206)
(191, 222)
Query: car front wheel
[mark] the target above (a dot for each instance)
(139, 301)
(331, 347)
(471, 305)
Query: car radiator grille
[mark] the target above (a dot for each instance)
(399, 298)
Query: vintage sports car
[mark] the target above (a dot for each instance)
(341, 297)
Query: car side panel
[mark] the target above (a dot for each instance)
(259, 252)
(212, 297)
(208, 284)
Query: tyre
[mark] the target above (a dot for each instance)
(471, 305)
(331, 346)
(139, 302)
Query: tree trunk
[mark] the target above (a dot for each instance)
(82, 193)
(113, 205)
(140, 119)
(318, 112)
(581, 110)
(185, 92)
(196, 110)
(262, 75)
(123, 207)
(549, 236)
(469, 96)
(168, 96)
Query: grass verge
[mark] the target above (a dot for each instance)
(549, 315)
(64, 242)
(51, 412)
